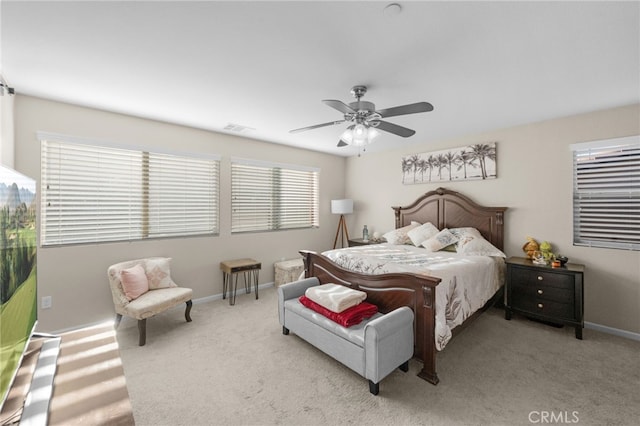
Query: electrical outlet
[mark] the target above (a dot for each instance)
(46, 302)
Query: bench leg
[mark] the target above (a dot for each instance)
(225, 284)
(247, 282)
(232, 293)
(405, 366)
(142, 329)
(256, 274)
(187, 311)
(374, 388)
(285, 330)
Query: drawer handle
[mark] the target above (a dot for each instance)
(540, 291)
(540, 278)
(540, 305)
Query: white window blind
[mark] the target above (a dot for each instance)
(606, 194)
(183, 195)
(268, 196)
(92, 193)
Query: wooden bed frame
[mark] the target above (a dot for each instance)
(444, 209)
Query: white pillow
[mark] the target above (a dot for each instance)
(477, 246)
(399, 236)
(159, 273)
(463, 232)
(439, 241)
(422, 233)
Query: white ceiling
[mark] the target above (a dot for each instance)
(267, 65)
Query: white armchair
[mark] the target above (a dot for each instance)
(142, 288)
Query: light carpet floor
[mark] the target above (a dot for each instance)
(233, 366)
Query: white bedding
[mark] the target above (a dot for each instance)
(468, 282)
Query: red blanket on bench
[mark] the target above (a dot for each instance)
(347, 318)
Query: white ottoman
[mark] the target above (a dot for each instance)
(287, 271)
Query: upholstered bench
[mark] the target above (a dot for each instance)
(373, 348)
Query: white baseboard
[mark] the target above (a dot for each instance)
(219, 295)
(610, 330)
(128, 321)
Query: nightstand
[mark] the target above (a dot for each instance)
(548, 294)
(360, 242)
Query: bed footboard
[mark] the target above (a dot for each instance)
(389, 292)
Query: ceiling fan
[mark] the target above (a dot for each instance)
(366, 119)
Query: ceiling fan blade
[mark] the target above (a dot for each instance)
(395, 129)
(406, 109)
(340, 106)
(331, 123)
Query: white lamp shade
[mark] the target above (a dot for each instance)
(344, 206)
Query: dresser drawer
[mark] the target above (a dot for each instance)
(523, 276)
(547, 308)
(542, 291)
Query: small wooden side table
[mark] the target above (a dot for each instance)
(353, 242)
(248, 267)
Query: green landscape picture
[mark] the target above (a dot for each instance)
(18, 283)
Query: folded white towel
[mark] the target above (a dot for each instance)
(335, 297)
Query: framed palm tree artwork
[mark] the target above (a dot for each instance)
(466, 163)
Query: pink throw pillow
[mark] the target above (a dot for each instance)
(134, 282)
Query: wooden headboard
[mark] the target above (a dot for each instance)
(450, 209)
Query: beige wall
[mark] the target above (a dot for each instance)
(535, 183)
(76, 277)
(6, 130)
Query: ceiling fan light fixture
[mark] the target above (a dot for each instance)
(360, 131)
(359, 135)
(366, 121)
(347, 135)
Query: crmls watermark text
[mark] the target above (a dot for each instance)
(546, 417)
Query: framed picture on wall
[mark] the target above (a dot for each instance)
(471, 162)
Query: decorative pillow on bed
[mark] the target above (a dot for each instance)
(477, 246)
(422, 233)
(464, 232)
(159, 273)
(439, 241)
(399, 236)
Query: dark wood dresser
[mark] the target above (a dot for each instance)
(548, 294)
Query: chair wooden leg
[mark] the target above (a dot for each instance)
(117, 321)
(187, 311)
(142, 329)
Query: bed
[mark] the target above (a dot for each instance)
(393, 284)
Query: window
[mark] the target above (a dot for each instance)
(96, 193)
(268, 196)
(606, 193)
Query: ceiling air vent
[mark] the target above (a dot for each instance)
(237, 128)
